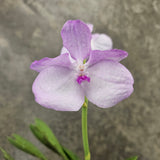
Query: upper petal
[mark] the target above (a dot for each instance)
(110, 83)
(62, 60)
(56, 88)
(113, 54)
(76, 39)
(90, 26)
(101, 42)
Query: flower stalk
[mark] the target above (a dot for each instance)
(84, 130)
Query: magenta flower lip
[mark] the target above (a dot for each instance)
(64, 81)
(82, 78)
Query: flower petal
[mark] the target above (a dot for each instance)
(76, 39)
(110, 83)
(62, 60)
(90, 26)
(101, 42)
(64, 50)
(113, 54)
(56, 88)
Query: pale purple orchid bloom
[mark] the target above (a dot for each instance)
(64, 81)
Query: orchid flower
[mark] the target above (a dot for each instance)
(86, 69)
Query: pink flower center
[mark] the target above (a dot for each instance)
(82, 78)
(82, 74)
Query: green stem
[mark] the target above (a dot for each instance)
(84, 130)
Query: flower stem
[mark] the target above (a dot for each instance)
(84, 130)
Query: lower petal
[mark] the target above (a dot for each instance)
(57, 88)
(110, 83)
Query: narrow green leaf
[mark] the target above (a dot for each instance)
(6, 155)
(70, 154)
(133, 158)
(26, 146)
(42, 137)
(42, 131)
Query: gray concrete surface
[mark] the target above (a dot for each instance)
(30, 30)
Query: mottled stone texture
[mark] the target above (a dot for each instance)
(30, 29)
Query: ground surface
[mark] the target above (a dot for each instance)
(30, 29)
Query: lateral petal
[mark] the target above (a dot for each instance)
(113, 54)
(61, 60)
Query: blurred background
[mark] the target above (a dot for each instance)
(30, 30)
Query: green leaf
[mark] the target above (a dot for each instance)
(45, 135)
(26, 146)
(70, 154)
(133, 158)
(42, 131)
(6, 155)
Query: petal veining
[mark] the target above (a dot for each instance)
(110, 83)
(113, 54)
(61, 60)
(76, 39)
(57, 88)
